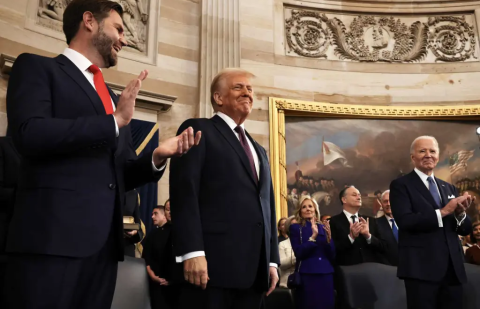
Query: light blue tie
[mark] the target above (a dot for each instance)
(394, 229)
(434, 191)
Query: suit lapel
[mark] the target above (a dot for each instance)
(421, 188)
(228, 134)
(71, 70)
(443, 194)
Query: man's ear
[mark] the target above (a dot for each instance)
(89, 21)
(218, 99)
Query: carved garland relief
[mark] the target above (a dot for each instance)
(369, 38)
(135, 18)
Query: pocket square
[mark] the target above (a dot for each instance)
(451, 196)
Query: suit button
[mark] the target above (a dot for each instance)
(112, 186)
(320, 259)
(259, 224)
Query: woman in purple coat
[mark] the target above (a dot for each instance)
(313, 247)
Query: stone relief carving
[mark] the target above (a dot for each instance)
(369, 38)
(135, 18)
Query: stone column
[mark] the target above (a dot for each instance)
(220, 45)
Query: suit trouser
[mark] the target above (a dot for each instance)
(446, 294)
(35, 281)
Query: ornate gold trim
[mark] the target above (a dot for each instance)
(281, 108)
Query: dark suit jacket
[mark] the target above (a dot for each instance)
(391, 250)
(359, 251)
(74, 170)
(424, 248)
(217, 207)
(315, 257)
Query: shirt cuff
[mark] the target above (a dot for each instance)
(439, 217)
(117, 133)
(459, 222)
(351, 239)
(274, 265)
(369, 239)
(188, 256)
(155, 169)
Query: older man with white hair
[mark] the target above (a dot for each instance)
(430, 215)
(388, 229)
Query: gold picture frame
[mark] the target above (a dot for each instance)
(279, 108)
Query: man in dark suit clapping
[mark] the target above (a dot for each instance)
(430, 215)
(223, 208)
(73, 134)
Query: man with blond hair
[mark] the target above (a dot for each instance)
(430, 215)
(223, 206)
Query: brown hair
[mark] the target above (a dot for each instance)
(220, 77)
(73, 15)
(474, 240)
(278, 225)
(298, 216)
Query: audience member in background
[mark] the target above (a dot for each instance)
(356, 237)
(282, 233)
(388, 229)
(131, 209)
(472, 255)
(162, 269)
(287, 258)
(313, 246)
(325, 218)
(466, 242)
(168, 214)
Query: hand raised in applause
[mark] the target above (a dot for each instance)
(462, 207)
(365, 231)
(326, 227)
(355, 229)
(314, 228)
(126, 104)
(454, 204)
(195, 271)
(176, 146)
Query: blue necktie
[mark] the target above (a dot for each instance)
(394, 229)
(434, 191)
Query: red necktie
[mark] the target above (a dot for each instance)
(101, 88)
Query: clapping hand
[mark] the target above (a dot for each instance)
(463, 206)
(355, 229)
(314, 228)
(365, 231)
(326, 227)
(176, 146)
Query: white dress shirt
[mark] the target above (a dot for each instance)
(82, 63)
(424, 178)
(349, 218)
(232, 124)
(390, 222)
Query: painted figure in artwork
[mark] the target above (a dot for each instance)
(130, 8)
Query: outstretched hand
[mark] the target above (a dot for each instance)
(176, 146)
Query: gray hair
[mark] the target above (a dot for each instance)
(412, 146)
(383, 194)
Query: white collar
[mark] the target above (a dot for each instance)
(389, 218)
(424, 176)
(349, 215)
(231, 123)
(80, 61)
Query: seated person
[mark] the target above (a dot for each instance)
(472, 255)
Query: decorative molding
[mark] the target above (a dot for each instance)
(220, 45)
(145, 99)
(380, 38)
(139, 18)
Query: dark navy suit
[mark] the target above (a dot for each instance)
(66, 234)
(430, 257)
(314, 262)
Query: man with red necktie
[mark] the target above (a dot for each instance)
(66, 235)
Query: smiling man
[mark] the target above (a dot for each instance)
(223, 207)
(429, 215)
(73, 133)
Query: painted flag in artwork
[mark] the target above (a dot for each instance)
(332, 152)
(458, 160)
